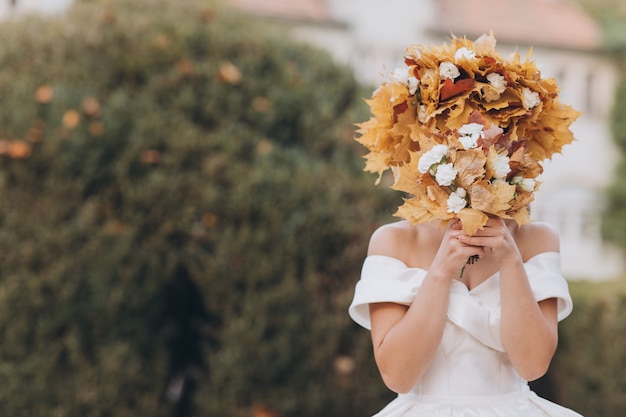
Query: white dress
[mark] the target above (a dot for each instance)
(470, 375)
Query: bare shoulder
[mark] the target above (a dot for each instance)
(537, 237)
(391, 239)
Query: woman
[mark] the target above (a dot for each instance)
(463, 132)
(454, 338)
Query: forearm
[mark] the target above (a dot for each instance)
(407, 348)
(529, 337)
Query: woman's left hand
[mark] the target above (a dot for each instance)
(496, 238)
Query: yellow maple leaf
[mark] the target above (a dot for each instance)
(413, 211)
(455, 114)
(407, 177)
(376, 163)
(521, 216)
(472, 220)
(504, 194)
(552, 133)
(522, 199)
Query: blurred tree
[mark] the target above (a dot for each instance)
(183, 217)
(611, 15)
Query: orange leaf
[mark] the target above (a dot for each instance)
(95, 128)
(264, 147)
(210, 220)
(263, 411)
(399, 109)
(185, 66)
(15, 149)
(451, 89)
(91, 107)
(44, 94)
(150, 156)
(229, 73)
(71, 118)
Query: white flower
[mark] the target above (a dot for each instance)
(448, 70)
(471, 129)
(497, 81)
(412, 84)
(432, 157)
(464, 53)
(474, 130)
(439, 151)
(501, 168)
(400, 75)
(469, 142)
(446, 174)
(530, 98)
(471, 133)
(456, 201)
(405, 77)
(421, 113)
(525, 184)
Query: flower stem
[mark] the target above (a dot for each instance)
(470, 260)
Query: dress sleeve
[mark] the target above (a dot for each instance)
(383, 279)
(546, 281)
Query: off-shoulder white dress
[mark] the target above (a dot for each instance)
(471, 374)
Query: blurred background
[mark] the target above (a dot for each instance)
(184, 211)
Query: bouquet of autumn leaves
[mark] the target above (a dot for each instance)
(464, 131)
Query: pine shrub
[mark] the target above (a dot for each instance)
(183, 216)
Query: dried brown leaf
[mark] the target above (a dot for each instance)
(470, 165)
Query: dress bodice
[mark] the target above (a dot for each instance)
(464, 367)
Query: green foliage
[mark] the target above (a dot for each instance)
(589, 366)
(611, 16)
(185, 236)
(613, 224)
(614, 220)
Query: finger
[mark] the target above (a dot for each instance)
(467, 248)
(493, 241)
(456, 225)
(475, 251)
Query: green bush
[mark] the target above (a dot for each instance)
(614, 219)
(183, 215)
(588, 369)
(611, 18)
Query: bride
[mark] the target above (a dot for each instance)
(463, 346)
(463, 132)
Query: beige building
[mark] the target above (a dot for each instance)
(370, 36)
(11, 8)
